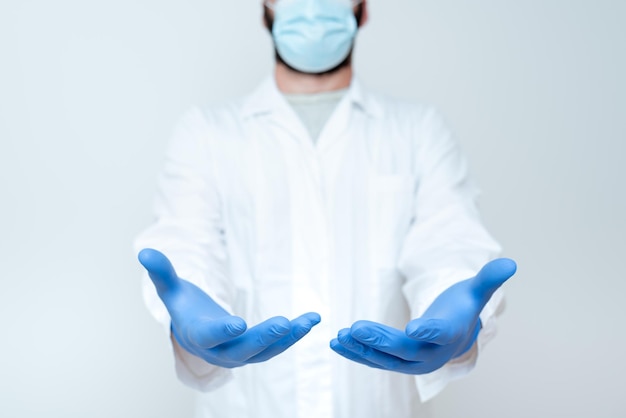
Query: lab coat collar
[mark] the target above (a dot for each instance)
(267, 99)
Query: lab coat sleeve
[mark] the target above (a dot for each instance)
(188, 230)
(446, 242)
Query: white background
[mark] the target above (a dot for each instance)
(90, 91)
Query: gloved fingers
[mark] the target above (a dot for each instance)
(255, 340)
(469, 342)
(492, 276)
(336, 346)
(435, 331)
(385, 339)
(209, 333)
(204, 354)
(379, 358)
(299, 328)
(159, 269)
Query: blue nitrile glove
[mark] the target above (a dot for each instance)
(206, 330)
(447, 329)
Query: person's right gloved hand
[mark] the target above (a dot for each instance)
(206, 330)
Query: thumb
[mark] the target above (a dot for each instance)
(492, 276)
(160, 270)
(436, 331)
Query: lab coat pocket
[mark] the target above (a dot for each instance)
(390, 216)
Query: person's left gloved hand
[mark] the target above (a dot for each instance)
(447, 329)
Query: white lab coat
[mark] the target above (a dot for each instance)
(372, 222)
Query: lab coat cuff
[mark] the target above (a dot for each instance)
(431, 384)
(197, 373)
(488, 316)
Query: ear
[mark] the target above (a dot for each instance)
(365, 14)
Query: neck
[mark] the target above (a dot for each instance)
(293, 82)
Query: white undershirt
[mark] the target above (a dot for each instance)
(315, 109)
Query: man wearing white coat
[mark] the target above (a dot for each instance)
(317, 199)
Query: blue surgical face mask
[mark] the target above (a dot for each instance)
(314, 36)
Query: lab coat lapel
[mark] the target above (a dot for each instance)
(342, 119)
(269, 102)
(336, 126)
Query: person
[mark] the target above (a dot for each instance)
(349, 212)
